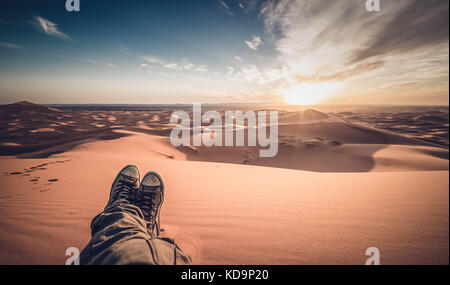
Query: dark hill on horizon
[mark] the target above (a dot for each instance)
(27, 107)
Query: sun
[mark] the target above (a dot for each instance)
(309, 93)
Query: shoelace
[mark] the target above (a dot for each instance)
(123, 190)
(148, 204)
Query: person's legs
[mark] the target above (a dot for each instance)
(120, 234)
(149, 198)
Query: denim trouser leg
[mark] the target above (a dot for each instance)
(120, 236)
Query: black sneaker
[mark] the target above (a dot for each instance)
(149, 198)
(125, 185)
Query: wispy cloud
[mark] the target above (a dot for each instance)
(225, 8)
(152, 59)
(123, 49)
(316, 40)
(255, 43)
(188, 66)
(230, 70)
(248, 5)
(50, 28)
(96, 62)
(171, 66)
(10, 45)
(251, 73)
(429, 27)
(179, 66)
(202, 68)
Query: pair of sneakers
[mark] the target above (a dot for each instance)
(147, 194)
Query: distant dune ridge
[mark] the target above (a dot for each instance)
(32, 130)
(341, 182)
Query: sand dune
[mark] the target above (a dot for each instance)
(427, 124)
(228, 213)
(335, 188)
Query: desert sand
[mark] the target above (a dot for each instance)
(341, 182)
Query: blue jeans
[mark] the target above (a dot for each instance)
(120, 236)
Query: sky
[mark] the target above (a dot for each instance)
(225, 51)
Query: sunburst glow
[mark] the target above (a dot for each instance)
(309, 93)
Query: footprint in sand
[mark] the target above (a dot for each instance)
(5, 197)
(62, 161)
(335, 143)
(35, 180)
